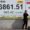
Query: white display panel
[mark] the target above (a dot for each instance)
(11, 8)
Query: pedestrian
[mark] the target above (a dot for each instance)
(25, 19)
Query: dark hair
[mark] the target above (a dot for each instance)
(25, 10)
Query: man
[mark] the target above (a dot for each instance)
(25, 20)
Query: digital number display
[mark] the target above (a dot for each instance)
(8, 6)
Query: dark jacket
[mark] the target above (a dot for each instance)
(25, 16)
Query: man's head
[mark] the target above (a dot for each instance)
(25, 11)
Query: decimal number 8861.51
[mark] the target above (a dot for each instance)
(8, 6)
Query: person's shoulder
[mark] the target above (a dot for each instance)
(26, 13)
